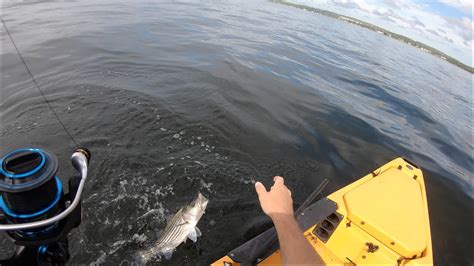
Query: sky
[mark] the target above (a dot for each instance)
(446, 25)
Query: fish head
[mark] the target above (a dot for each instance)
(197, 208)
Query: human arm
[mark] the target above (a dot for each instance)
(278, 205)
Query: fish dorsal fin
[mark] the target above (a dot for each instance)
(194, 234)
(169, 217)
(172, 218)
(159, 233)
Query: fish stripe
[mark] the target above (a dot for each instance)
(173, 230)
(178, 228)
(170, 233)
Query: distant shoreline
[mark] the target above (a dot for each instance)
(417, 44)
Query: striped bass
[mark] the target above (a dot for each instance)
(179, 228)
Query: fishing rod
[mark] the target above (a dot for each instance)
(37, 85)
(35, 212)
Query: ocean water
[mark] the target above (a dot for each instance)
(173, 98)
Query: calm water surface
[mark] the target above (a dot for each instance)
(254, 90)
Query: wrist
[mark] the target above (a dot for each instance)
(281, 219)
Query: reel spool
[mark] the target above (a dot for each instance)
(30, 191)
(37, 213)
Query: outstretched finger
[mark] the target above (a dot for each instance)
(260, 188)
(279, 180)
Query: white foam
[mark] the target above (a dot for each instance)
(143, 202)
(119, 198)
(100, 259)
(201, 164)
(123, 183)
(139, 238)
(164, 191)
(205, 185)
(118, 244)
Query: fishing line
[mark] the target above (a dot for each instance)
(36, 83)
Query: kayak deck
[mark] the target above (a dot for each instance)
(381, 218)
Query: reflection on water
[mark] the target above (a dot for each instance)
(173, 98)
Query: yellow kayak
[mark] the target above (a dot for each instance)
(381, 218)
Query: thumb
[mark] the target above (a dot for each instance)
(260, 188)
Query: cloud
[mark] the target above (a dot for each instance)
(463, 26)
(433, 32)
(384, 15)
(347, 4)
(465, 5)
(354, 4)
(415, 22)
(414, 19)
(468, 24)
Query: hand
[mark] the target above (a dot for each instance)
(277, 201)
